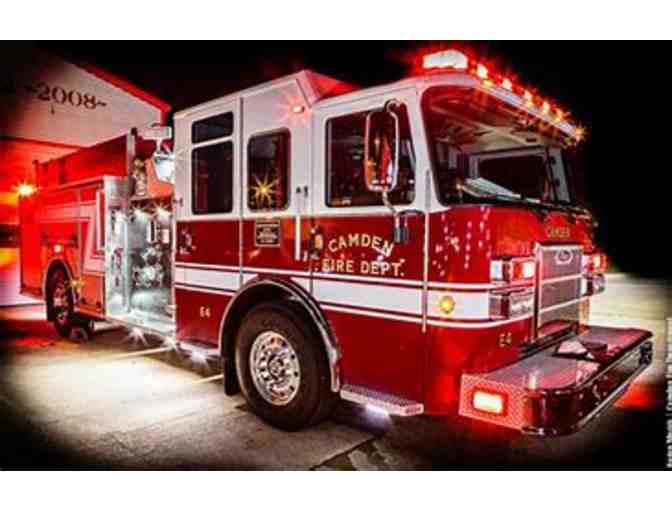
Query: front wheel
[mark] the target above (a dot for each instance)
(282, 367)
(60, 302)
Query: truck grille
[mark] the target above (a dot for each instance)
(559, 290)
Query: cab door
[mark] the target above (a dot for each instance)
(370, 287)
(276, 162)
(207, 255)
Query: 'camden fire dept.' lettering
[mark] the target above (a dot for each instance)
(378, 267)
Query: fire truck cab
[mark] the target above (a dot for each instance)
(418, 247)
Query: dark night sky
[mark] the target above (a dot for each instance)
(617, 90)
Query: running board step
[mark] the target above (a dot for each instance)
(201, 349)
(391, 404)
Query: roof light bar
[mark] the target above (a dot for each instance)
(457, 61)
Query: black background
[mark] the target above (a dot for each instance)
(619, 91)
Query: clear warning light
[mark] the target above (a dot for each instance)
(25, 189)
(449, 59)
(492, 403)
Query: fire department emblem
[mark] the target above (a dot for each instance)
(563, 257)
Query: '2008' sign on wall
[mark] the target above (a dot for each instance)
(52, 93)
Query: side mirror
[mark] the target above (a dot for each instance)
(381, 161)
(381, 151)
(164, 165)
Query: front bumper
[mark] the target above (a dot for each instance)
(560, 389)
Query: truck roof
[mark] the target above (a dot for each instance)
(315, 87)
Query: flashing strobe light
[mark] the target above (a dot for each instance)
(451, 59)
(58, 248)
(488, 402)
(514, 270)
(299, 108)
(25, 189)
(493, 79)
(482, 71)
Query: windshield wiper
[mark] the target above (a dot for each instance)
(480, 192)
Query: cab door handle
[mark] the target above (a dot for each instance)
(302, 195)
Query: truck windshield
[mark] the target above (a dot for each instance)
(483, 149)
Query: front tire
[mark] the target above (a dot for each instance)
(60, 302)
(282, 368)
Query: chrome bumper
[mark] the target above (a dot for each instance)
(558, 390)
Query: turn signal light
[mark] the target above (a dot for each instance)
(488, 402)
(513, 270)
(595, 263)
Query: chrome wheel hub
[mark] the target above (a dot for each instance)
(275, 369)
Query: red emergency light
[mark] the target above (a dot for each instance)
(455, 60)
(595, 263)
(516, 270)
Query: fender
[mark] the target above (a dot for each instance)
(302, 297)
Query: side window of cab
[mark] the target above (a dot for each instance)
(212, 164)
(346, 186)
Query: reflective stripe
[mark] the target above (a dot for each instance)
(205, 278)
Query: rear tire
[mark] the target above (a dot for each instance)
(282, 367)
(60, 302)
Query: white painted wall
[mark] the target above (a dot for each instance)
(40, 100)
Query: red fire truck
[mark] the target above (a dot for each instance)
(417, 247)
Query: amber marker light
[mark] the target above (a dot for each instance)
(446, 305)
